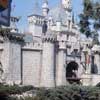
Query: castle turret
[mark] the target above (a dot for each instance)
(67, 5)
(59, 20)
(48, 61)
(35, 20)
(45, 8)
(61, 61)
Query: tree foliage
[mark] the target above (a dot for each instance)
(90, 19)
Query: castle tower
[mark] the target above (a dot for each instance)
(48, 61)
(45, 8)
(35, 21)
(61, 61)
(59, 20)
(67, 5)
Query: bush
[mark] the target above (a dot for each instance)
(6, 91)
(70, 92)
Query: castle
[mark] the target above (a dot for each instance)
(51, 54)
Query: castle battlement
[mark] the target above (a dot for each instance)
(49, 38)
(6, 35)
(33, 46)
(35, 19)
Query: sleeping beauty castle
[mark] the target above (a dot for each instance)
(52, 53)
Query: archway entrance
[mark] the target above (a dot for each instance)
(71, 72)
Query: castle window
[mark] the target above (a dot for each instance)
(75, 51)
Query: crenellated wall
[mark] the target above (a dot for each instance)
(11, 58)
(31, 64)
(48, 61)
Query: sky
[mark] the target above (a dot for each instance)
(23, 8)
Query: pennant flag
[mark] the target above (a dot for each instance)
(87, 59)
(5, 9)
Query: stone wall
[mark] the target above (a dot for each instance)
(11, 62)
(90, 79)
(31, 67)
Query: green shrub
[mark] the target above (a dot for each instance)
(70, 92)
(6, 91)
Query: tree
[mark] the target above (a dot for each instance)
(90, 20)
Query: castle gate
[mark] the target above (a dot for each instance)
(72, 72)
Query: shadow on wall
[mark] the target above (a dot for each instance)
(94, 69)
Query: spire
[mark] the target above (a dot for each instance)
(59, 19)
(45, 8)
(45, 1)
(36, 9)
(70, 5)
(59, 12)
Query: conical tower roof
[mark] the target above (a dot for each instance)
(36, 8)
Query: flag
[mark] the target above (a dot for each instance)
(87, 59)
(5, 9)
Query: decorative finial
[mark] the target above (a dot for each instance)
(59, 12)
